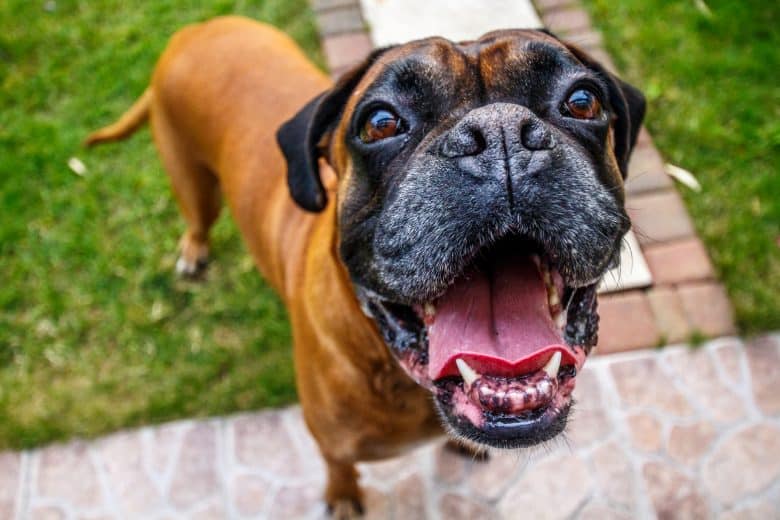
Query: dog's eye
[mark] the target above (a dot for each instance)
(380, 124)
(583, 104)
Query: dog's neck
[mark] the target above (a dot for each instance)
(345, 320)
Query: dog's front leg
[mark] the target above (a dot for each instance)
(342, 494)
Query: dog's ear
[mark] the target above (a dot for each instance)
(304, 138)
(627, 102)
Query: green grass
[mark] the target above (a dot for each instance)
(714, 109)
(95, 331)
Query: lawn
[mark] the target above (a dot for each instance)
(95, 331)
(710, 72)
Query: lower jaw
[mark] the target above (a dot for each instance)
(508, 431)
(498, 430)
(466, 419)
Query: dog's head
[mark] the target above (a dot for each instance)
(480, 201)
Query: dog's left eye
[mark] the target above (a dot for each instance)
(380, 124)
(583, 104)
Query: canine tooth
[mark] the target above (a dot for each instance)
(467, 373)
(429, 309)
(552, 366)
(560, 320)
(553, 298)
(545, 274)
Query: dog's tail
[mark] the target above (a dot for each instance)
(135, 116)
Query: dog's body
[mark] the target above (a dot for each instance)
(214, 115)
(218, 95)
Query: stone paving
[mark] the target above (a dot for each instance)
(675, 433)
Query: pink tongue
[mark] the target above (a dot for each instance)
(497, 321)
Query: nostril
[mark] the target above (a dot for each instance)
(478, 143)
(463, 141)
(536, 136)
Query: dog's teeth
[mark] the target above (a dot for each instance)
(430, 310)
(545, 274)
(552, 366)
(552, 296)
(467, 373)
(560, 320)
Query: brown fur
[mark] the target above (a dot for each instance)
(217, 96)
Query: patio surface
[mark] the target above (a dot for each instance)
(677, 433)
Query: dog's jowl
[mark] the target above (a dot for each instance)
(444, 279)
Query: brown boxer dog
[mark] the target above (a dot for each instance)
(447, 273)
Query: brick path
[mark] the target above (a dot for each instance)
(677, 433)
(685, 297)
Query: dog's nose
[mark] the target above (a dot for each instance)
(500, 129)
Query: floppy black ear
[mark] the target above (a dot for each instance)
(629, 106)
(300, 138)
(627, 102)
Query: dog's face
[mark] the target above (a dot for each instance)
(480, 201)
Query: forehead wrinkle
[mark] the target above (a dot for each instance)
(493, 58)
(434, 65)
(431, 69)
(556, 53)
(518, 64)
(516, 35)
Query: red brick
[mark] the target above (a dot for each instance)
(679, 261)
(669, 315)
(626, 323)
(565, 21)
(601, 56)
(336, 73)
(646, 171)
(343, 50)
(644, 138)
(340, 20)
(659, 217)
(589, 40)
(708, 308)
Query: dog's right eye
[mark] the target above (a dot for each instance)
(583, 104)
(380, 124)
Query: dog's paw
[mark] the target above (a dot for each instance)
(467, 450)
(345, 509)
(191, 270)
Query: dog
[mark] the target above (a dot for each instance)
(436, 222)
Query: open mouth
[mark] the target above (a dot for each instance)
(501, 347)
